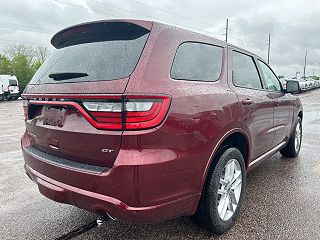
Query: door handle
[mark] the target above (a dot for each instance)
(247, 101)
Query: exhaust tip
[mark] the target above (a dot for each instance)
(102, 219)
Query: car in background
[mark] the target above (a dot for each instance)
(313, 86)
(303, 85)
(310, 84)
(9, 87)
(316, 83)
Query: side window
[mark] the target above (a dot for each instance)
(272, 83)
(197, 61)
(245, 73)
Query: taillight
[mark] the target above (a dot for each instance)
(142, 113)
(107, 113)
(129, 113)
(25, 108)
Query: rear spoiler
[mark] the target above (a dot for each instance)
(101, 31)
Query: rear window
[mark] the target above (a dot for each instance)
(197, 61)
(111, 58)
(13, 82)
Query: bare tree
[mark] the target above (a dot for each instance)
(42, 53)
(33, 54)
(21, 49)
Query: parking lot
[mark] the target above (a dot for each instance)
(282, 195)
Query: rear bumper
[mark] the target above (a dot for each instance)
(141, 192)
(15, 94)
(102, 204)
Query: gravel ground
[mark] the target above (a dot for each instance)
(281, 202)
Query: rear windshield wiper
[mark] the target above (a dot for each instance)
(66, 75)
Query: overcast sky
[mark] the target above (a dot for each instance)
(294, 25)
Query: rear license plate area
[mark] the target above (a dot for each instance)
(54, 115)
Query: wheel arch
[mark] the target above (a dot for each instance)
(236, 138)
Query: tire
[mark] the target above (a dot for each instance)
(214, 209)
(293, 146)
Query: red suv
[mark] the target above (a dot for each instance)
(146, 122)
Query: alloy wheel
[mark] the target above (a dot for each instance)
(298, 135)
(229, 191)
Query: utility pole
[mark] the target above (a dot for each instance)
(305, 65)
(227, 26)
(269, 45)
(313, 72)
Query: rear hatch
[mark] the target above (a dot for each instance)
(13, 86)
(91, 64)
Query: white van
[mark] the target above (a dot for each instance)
(1, 93)
(9, 88)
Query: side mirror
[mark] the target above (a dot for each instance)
(293, 87)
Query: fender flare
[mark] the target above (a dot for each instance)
(216, 147)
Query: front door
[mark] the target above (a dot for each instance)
(256, 103)
(283, 110)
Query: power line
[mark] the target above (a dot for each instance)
(104, 13)
(32, 43)
(22, 29)
(25, 27)
(125, 10)
(171, 13)
(89, 9)
(139, 13)
(119, 8)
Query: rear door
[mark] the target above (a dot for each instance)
(283, 108)
(13, 86)
(256, 102)
(92, 64)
